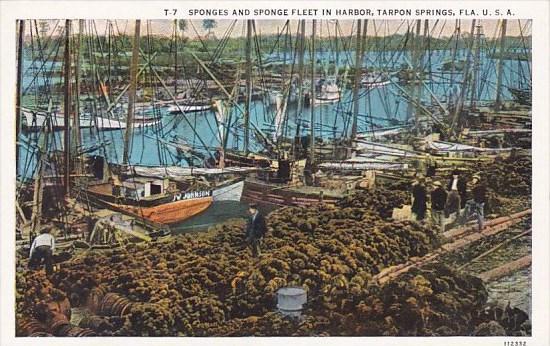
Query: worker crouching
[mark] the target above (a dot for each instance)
(42, 249)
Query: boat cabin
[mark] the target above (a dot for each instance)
(141, 188)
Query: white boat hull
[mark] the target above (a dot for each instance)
(371, 85)
(36, 120)
(232, 192)
(326, 100)
(173, 109)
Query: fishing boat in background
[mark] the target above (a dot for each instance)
(189, 106)
(375, 79)
(328, 91)
(36, 120)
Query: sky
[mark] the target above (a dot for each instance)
(441, 28)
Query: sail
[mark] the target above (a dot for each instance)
(220, 109)
(176, 172)
(279, 116)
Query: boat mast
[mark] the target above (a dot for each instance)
(426, 48)
(67, 107)
(474, 93)
(498, 101)
(454, 49)
(76, 112)
(411, 76)
(312, 98)
(132, 94)
(176, 57)
(248, 84)
(356, 81)
(285, 48)
(368, 105)
(301, 34)
(336, 47)
(465, 78)
(19, 85)
(38, 188)
(417, 69)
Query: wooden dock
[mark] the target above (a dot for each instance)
(460, 237)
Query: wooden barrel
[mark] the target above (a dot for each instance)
(32, 327)
(114, 304)
(94, 322)
(40, 334)
(75, 331)
(59, 324)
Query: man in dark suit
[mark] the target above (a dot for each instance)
(419, 195)
(475, 206)
(438, 197)
(255, 229)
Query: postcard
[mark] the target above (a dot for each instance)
(241, 172)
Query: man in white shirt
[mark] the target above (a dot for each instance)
(453, 204)
(42, 249)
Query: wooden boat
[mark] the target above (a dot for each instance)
(156, 200)
(281, 194)
(172, 212)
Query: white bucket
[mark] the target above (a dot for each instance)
(290, 300)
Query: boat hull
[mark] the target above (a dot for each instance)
(231, 192)
(166, 209)
(190, 108)
(169, 213)
(35, 121)
(326, 100)
(371, 85)
(274, 196)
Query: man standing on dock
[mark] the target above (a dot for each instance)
(453, 205)
(255, 229)
(42, 249)
(475, 206)
(419, 195)
(438, 198)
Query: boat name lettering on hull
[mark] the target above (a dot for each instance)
(192, 194)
